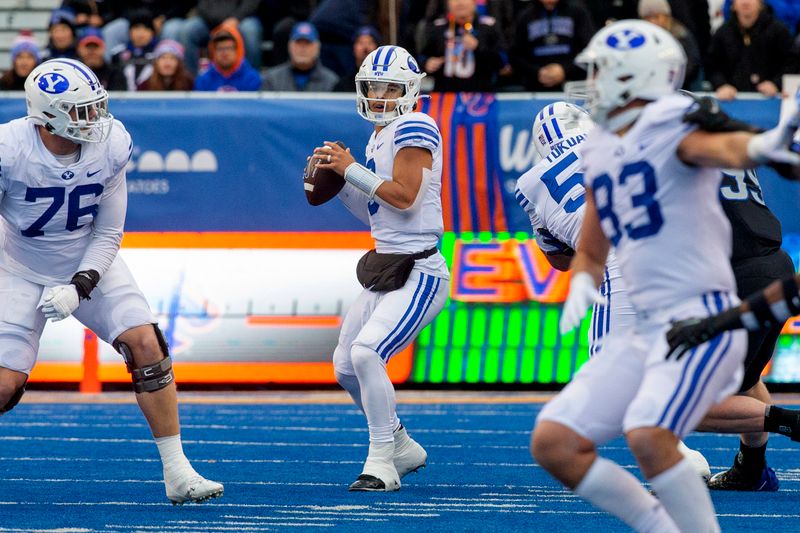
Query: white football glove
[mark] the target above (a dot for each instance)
(60, 302)
(774, 145)
(582, 293)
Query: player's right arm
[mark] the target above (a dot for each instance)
(587, 268)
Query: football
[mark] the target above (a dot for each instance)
(321, 184)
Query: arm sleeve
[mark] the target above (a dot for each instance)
(355, 201)
(108, 225)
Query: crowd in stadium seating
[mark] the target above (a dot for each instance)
(463, 45)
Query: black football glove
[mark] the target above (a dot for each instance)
(550, 245)
(687, 334)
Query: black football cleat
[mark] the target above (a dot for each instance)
(736, 478)
(368, 483)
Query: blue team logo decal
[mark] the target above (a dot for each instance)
(68, 175)
(412, 64)
(53, 83)
(625, 40)
(373, 206)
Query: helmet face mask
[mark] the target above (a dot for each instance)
(65, 97)
(625, 61)
(387, 85)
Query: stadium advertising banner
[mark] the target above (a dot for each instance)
(250, 283)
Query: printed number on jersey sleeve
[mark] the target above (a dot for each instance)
(603, 188)
(57, 195)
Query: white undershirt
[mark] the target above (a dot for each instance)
(68, 159)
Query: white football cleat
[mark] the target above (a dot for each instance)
(379, 473)
(409, 456)
(192, 488)
(698, 462)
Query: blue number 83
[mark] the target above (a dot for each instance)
(646, 199)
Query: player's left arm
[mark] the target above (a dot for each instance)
(779, 301)
(62, 300)
(588, 266)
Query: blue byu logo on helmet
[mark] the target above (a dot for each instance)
(412, 64)
(53, 83)
(67, 175)
(625, 40)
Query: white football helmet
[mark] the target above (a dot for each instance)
(65, 97)
(383, 71)
(556, 122)
(626, 60)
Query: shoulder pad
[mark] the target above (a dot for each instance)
(707, 115)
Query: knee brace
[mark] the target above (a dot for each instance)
(14, 400)
(148, 378)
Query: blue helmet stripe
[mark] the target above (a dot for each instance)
(388, 59)
(92, 79)
(377, 58)
(554, 122)
(547, 133)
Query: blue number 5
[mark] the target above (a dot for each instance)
(74, 209)
(559, 190)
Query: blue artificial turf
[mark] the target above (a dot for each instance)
(94, 467)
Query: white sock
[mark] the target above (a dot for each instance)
(686, 498)
(171, 451)
(613, 489)
(377, 393)
(349, 383)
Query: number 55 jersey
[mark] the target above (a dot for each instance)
(57, 218)
(664, 218)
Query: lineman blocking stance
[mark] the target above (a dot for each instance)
(398, 193)
(63, 200)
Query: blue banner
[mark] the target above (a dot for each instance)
(235, 164)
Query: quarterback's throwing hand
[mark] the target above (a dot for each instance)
(582, 293)
(60, 302)
(334, 157)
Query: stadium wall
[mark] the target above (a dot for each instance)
(251, 283)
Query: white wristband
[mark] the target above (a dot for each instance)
(363, 179)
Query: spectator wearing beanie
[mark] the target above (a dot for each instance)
(366, 40)
(135, 58)
(25, 55)
(229, 70)
(62, 35)
(303, 71)
(169, 72)
(659, 13)
(91, 51)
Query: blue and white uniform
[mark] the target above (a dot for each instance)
(387, 322)
(553, 196)
(673, 243)
(58, 218)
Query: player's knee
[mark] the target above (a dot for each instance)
(147, 359)
(10, 394)
(363, 358)
(553, 444)
(652, 445)
(341, 361)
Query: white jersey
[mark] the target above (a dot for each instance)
(58, 219)
(664, 218)
(417, 229)
(553, 196)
